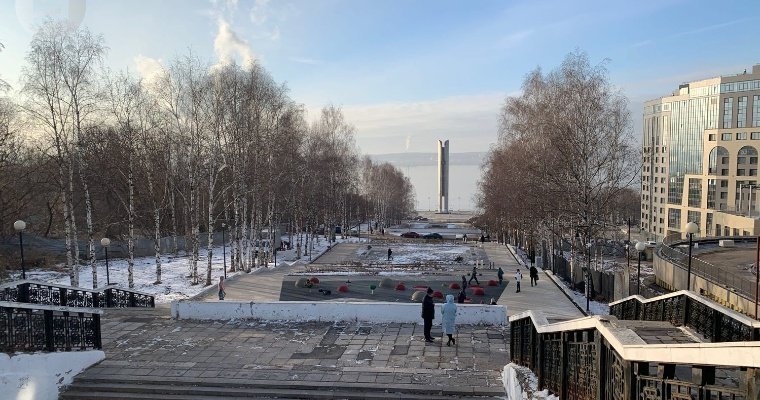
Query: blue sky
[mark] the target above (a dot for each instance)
(409, 72)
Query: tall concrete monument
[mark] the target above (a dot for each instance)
(443, 177)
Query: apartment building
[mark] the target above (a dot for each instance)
(700, 158)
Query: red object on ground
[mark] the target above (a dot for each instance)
(493, 283)
(343, 289)
(314, 280)
(478, 292)
(421, 287)
(437, 294)
(400, 286)
(454, 286)
(468, 300)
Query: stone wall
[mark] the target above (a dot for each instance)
(302, 311)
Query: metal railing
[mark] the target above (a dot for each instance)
(741, 285)
(31, 328)
(581, 363)
(60, 295)
(705, 317)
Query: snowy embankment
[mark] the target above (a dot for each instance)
(175, 271)
(521, 383)
(595, 307)
(39, 376)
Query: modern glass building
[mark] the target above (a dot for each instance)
(700, 158)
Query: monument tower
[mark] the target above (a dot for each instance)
(443, 177)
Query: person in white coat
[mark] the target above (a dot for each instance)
(448, 319)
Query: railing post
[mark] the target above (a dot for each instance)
(23, 293)
(95, 298)
(686, 301)
(717, 321)
(109, 297)
(599, 364)
(665, 372)
(131, 299)
(703, 376)
(97, 340)
(49, 339)
(563, 367)
(64, 299)
(632, 370)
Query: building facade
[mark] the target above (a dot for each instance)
(700, 158)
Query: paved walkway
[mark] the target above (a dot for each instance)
(261, 285)
(545, 297)
(151, 345)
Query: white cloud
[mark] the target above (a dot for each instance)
(149, 69)
(228, 45)
(392, 127)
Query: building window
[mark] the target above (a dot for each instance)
(711, 192)
(728, 112)
(674, 218)
(741, 117)
(726, 136)
(741, 135)
(755, 136)
(723, 183)
(724, 172)
(711, 137)
(694, 216)
(724, 160)
(695, 192)
(755, 110)
(753, 172)
(740, 172)
(753, 160)
(741, 160)
(723, 195)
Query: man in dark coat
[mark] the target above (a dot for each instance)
(533, 276)
(390, 254)
(474, 275)
(464, 283)
(500, 274)
(428, 314)
(462, 297)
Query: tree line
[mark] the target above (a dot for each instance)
(86, 152)
(566, 161)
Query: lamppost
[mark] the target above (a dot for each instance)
(224, 249)
(691, 229)
(20, 226)
(588, 278)
(640, 246)
(105, 242)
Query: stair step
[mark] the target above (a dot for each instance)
(238, 387)
(149, 392)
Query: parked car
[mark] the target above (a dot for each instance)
(433, 236)
(411, 235)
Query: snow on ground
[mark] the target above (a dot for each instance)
(521, 383)
(175, 271)
(411, 253)
(39, 376)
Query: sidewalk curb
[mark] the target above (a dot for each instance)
(553, 278)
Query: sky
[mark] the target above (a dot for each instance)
(407, 73)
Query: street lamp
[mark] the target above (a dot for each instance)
(588, 278)
(691, 229)
(224, 250)
(640, 246)
(20, 226)
(105, 242)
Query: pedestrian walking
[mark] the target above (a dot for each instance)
(518, 278)
(533, 276)
(464, 283)
(390, 254)
(474, 275)
(493, 301)
(428, 314)
(221, 288)
(500, 274)
(462, 297)
(448, 319)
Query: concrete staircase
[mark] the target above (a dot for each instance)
(120, 387)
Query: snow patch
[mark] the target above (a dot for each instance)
(40, 376)
(520, 383)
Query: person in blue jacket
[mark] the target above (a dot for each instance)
(448, 319)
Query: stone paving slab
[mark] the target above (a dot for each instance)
(334, 353)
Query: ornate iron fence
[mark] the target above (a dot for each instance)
(683, 310)
(59, 295)
(582, 365)
(29, 328)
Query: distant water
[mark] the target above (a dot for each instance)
(462, 185)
